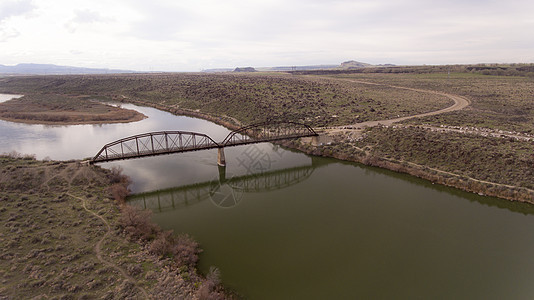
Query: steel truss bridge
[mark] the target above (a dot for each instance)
(167, 142)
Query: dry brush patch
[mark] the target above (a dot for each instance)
(248, 98)
(63, 109)
(497, 102)
(506, 161)
(50, 236)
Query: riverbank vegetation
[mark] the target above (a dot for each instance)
(499, 105)
(500, 167)
(248, 98)
(64, 109)
(64, 236)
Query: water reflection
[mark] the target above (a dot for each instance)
(61, 142)
(223, 192)
(512, 206)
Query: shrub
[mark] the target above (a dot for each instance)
(116, 176)
(208, 289)
(137, 223)
(186, 250)
(118, 192)
(162, 245)
(119, 184)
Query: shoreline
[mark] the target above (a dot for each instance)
(137, 118)
(461, 182)
(25, 113)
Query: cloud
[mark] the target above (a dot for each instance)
(8, 10)
(161, 20)
(189, 35)
(85, 17)
(7, 33)
(12, 8)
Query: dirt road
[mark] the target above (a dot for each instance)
(459, 103)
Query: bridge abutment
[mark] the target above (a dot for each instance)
(315, 141)
(221, 160)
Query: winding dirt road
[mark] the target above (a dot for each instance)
(459, 103)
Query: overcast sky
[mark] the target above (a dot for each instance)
(190, 35)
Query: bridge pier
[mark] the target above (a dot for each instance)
(221, 161)
(222, 174)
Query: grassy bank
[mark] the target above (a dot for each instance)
(65, 236)
(64, 109)
(484, 165)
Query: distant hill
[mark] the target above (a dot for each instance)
(296, 68)
(247, 69)
(348, 65)
(45, 69)
(352, 64)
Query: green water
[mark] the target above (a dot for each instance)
(345, 231)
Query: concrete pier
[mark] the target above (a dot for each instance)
(221, 161)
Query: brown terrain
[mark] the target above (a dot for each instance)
(65, 235)
(64, 110)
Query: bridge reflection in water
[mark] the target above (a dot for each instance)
(222, 192)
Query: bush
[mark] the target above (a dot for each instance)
(137, 223)
(186, 250)
(118, 192)
(208, 289)
(116, 176)
(162, 245)
(119, 184)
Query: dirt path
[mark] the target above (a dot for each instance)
(98, 249)
(459, 103)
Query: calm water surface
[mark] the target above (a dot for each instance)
(284, 225)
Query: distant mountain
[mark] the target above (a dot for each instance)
(352, 64)
(297, 68)
(348, 65)
(246, 69)
(46, 69)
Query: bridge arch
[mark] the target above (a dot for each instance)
(154, 143)
(266, 132)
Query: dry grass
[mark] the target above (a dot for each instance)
(49, 240)
(62, 109)
(497, 102)
(248, 98)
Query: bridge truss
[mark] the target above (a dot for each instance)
(167, 142)
(154, 143)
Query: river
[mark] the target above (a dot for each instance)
(280, 224)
